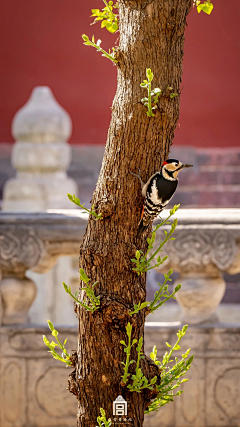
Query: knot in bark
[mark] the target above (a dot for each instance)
(114, 310)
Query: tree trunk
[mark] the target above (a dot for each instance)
(151, 36)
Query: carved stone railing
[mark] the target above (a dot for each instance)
(207, 243)
(33, 241)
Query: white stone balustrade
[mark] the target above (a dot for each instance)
(33, 241)
(40, 156)
(207, 243)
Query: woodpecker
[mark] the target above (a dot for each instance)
(158, 191)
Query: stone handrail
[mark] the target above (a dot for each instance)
(207, 243)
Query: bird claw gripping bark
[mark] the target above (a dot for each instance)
(139, 177)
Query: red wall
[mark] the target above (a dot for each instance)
(41, 44)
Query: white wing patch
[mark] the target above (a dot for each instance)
(154, 193)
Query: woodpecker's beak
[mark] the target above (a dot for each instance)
(184, 166)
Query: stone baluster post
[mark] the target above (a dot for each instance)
(40, 156)
(20, 250)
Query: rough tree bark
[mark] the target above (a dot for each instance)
(151, 36)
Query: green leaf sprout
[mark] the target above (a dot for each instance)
(170, 376)
(206, 7)
(102, 420)
(65, 357)
(77, 202)
(94, 303)
(107, 16)
(151, 93)
(97, 46)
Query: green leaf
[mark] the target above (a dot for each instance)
(65, 287)
(103, 23)
(139, 346)
(83, 276)
(138, 254)
(206, 7)
(189, 361)
(149, 74)
(176, 347)
(53, 344)
(144, 304)
(129, 329)
(50, 325)
(46, 341)
(112, 27)
(169, 345)
(123, 342)
(85, 38)
(153, 380)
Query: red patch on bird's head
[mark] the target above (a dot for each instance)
(165, 163)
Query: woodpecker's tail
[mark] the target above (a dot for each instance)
(142, 228)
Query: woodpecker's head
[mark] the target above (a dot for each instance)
(171, 167)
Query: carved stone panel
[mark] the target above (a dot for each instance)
(165, 417)
(194, 249)
(20, 250)
(190, 409)
(222, 392)
(51, 404)
(13, 397)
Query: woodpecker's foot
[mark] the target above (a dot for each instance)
(139, 176)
